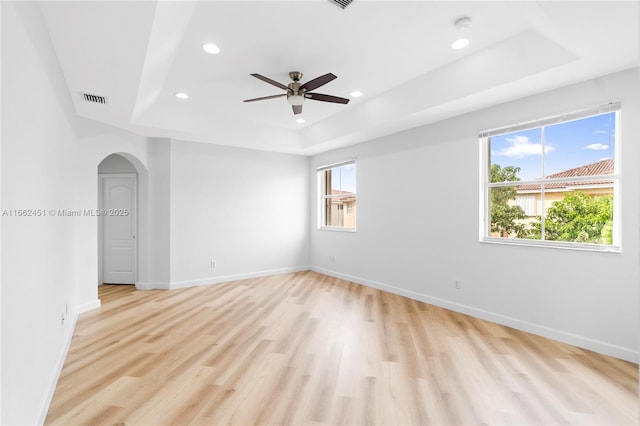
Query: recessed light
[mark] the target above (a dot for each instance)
(460, 43)
(301, 120)
(355, 94)
(211, 48)
(181, 95)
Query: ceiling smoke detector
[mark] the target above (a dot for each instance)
(342, 4)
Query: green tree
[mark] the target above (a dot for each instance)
(580, 218)
(505, 218)
(606, 235)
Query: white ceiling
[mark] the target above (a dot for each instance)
(140, 53)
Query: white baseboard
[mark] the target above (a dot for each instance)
(62, 356)
(86, 307)
(152, 286)
(217, 280)
(605, 348)
(235, 277)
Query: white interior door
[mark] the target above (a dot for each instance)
(119, 221)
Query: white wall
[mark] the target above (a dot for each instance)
(1, 399)
(50, 161)
(159, 213)
(39, 254)
(246, 210)
(431, 175)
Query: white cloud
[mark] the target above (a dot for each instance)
(596, 146)
(521, 146)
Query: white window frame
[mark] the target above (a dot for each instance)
(322, 196)
(485, 185)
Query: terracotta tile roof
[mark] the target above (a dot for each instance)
(347, 198)
(599, 168)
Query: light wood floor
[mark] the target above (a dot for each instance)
(305, 348)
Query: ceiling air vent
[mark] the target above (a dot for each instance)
(94, 98)
(341, 3)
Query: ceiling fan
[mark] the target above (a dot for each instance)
(297, 93)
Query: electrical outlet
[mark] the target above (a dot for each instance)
(213, 264)
(332, 259)
(456, 284)
(62, 320)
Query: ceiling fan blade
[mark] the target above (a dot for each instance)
(297, 109)
(326, 98)
(317, 82)
(264, 97)
(268, 80)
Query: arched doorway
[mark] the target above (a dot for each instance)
(121, 220)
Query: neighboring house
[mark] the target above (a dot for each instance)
(529, 197)
(343, 209)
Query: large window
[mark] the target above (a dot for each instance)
(337, 201)
(554, 181)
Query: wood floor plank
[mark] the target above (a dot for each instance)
(305, 348)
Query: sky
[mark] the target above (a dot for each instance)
(566, 145)
(343, 178)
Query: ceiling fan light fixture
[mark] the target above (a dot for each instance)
(356, 94)
(295, 99)
(211, 48)
(181, 95)
(301, 120)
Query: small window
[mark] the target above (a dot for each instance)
(350, 208)
(337, 189)
(553, 181)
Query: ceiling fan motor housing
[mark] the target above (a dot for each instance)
(295, 96)
(295, 76)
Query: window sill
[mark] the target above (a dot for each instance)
(336, 229)
(552, 245)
